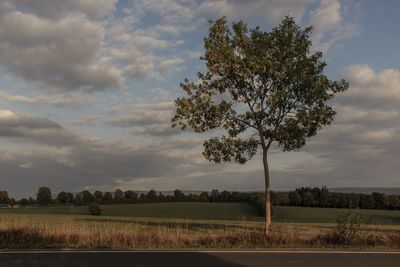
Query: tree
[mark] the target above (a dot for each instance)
(204, 197)
(294, 198)
(43, 196)
(4, 198)
(87, 197)
(98, 197)
(367, 201)
(62, 197)
(152, 196)
(118, 195)
(70, 197)
(142, 198)
(225, 196)
(379, 199)
(392, 202)
(108, 197)
(261, 87)
(130, 195)
(215, 195)
(282, 198)
(78, 199)
(31, 201)
(179, 195)
(323, 198)
(308, 199)
(24, 202)
(354, 200)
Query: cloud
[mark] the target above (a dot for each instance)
(271, 11)
(170, 11)
(11, 122)
(135, 53)
(160, 130)
(330, 25)
(96, 9)
(364, 140)
(150, 118)
(62, 55)
(67, 160)
(66, 47)
(169, 66)
(370, 89)
(54, 100)
(30, 129)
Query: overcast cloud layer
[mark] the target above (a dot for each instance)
(87, 90)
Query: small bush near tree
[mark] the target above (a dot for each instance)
(347, 230)
(94, 209)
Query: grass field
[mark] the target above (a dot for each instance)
(215, 211)
(186, 225)
(193, 210)
(325, 215)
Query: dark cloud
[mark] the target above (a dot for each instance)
(62, 55)
(18, 124)
(65, 159)
(96, 9)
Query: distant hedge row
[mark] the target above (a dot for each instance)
(305, 197)
(322, 197)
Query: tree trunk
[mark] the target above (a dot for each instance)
(267, 193)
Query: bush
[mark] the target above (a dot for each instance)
(346, 231)
(94, 209)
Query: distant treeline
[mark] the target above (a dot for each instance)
(321, 197)
(304, 197)
(44, 198)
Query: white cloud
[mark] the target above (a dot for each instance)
(329, 25)
(170, 11)
(169, 65)
(271, 11)
(368, 88)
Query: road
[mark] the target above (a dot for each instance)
(199, 258)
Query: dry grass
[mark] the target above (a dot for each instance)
(86, 232)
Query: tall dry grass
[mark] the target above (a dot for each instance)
(85, 232)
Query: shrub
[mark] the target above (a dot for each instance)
(346, 231)
(94, 209)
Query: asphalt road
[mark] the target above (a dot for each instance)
(194, 259)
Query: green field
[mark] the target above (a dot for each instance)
(193, 210)
(325, 215)
(214, 211)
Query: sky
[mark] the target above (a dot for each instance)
(87, 90)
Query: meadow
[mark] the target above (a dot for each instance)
(187, 225)
(213, 211)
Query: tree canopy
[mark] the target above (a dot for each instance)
(265, 84)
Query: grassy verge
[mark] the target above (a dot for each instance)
(35, 231)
